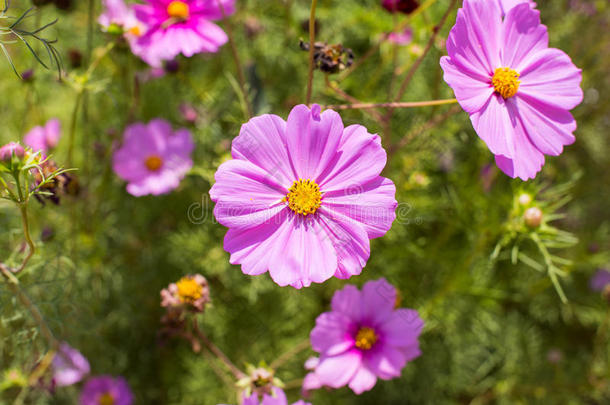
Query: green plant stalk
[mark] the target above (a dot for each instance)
(312, 39)
(23, 208)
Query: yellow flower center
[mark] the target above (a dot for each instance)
(506, 82)
(135, 31)
(178, 9)
(153, 163)
(366, 338)
(188, 290)
(304, 197)
(106, 399)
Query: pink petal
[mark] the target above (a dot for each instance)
(337, 371)
(254, 247)
(364, 380)
(548, 128)
(402, 328)
(350, 241)
(552, 79)
(474, 41)
(378, 301)
(385, 361)
(495, 126)
(359, 160)
(304, 254)
(523, 36)
(332, 334)
(348, 301)
(262, 141)
(52, 132)
(471, 90)
(312, 140)
(373, 205)
(245, 195)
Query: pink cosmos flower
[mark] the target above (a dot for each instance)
(153, 159)
(69, 366)
(181, 27)
(517, 91)
(302, 197)
(43, 138)
(191, 292)
(106, 389)
(364, 338)
(12, 148)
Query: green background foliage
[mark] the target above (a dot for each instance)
(490, 323)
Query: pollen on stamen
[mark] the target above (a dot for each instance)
(506, 82)
(178, 9)
(304, 197)
(366, 338)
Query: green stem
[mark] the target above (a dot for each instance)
(408, 104)
(28, 238)
(73, 122)
(13, 284)
(240, 71)
(312, 39)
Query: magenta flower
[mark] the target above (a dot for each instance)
(12, 148)
(600, 280)
(104, 390)
(181, 27)
(153, 159)
(364, 337)
(517, 91)
(69, 366)
(43, 138)
(302, 197)
(119, 18)
(276, 397)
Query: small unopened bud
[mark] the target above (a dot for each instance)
(47, 234)
(188, 112)
(171, 66)
(28, 75)
(76, 58)
(400, 6)
(533, 217)
(13, 148)
(525, 199)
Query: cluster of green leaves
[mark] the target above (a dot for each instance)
(496, 329)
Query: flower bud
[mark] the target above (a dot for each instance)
(13, 148)
(533, 217)
(400, 6)
(525, 199)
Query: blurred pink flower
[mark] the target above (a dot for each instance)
(517, 90)
(190, 292)
(364, 337)
(180, 27)
(302, 197)
(153, 159)
(69, 366)
(600, 280)
(120, 17)
(401, 38)
(105, 390)
(7, 151)
(43, 138)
